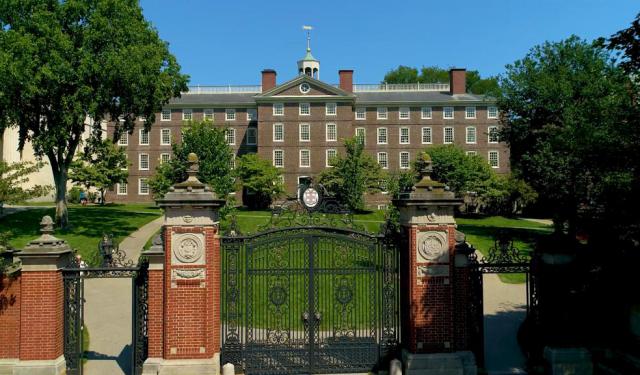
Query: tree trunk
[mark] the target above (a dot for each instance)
(103, 194)
(60, 179)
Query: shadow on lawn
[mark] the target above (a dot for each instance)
(488, 234)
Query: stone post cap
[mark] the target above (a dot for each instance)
(47, 243)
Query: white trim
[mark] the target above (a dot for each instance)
(404, 109)
(430, 135)
(162, 143)
(364, 135)
(422, 110)
(148, 133)
(408, 136)
(492, 117)
(327, 158)
(255, 136)
(300, 109)
(163, 112)
(386, 136)
(444, 135)
(126, 139)
(326, 132)
(206, 111)
(408, 159)
(274, 131)
(378, 113)
(386, 156)
(305, 84)
(475, 135)
(364, 117)
(335, 108)
(140, 155)
(277, 106)
(253, 111)
(228, 113)
(168, 157)
(185, 112)
(273, 160)
(466, 113)
(140, 186)
(126, 188)
(453, 113)
(471, 153)
(229, 131)
(300, 158)
(489, 134)
(497, 159)
(300, 126)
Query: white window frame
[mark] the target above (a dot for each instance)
(386, 160)
(364, 135)
(489, 129)
(230, 114)
(444, 135)
(230, 133)
(140, 158)
(468, 131)
(140, 180)
(466, 112)
(252, 132)
(187, 114)
(275, 164)
(302, 105)
(304, 150)
(497, 154)
(489, 110)
(445, 110)
(422, 135)
(252, 114)
(208, 114)
(164, 112)
(382, 113)
(471, 153)
(331, 105)
(327, 157)
(232, 162)
(402, 111)
(426, 113)
(361, 111)
(408, 159)
(168, 157)
(300, 132)
(278, 109)
(276, 125)
(386, 136)
(408, 141)
(335, 132)
(119, 186)
(124, 139)
(163, 132)
(148, 133)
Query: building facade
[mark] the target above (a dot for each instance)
(300, 124)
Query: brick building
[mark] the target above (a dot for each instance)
(299, 124)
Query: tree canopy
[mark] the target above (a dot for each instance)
(13, 176)
(67, 65)
(259, 179)
(433, 74)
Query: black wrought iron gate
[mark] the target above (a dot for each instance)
(73, 278)
(303, 300)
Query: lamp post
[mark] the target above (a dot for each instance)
(106, 250)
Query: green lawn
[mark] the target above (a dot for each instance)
(87, 224)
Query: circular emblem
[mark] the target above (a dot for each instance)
(344, 294)
(277, 295)
(189, 250)
(310, 197)
(432, 248)
(305, 88)
(187, 218)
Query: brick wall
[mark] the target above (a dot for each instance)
(10, 316)
(155, 301)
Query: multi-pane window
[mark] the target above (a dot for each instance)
(382, 136)
(472, 153)
(494, 136)
(425, 113)
(124, 139)
(252, 114)
(332, 132)
(447, 112)
(331, 109)
(232, 162)
(471, 134)
(305, 132)
(331, 154)
(404, 160)
(470, 112)
(122, 188)
(230, 133)
(305, 158)
(278, 109)
(144, 137)
(383, 160)
(492, 112)
(164, 157)
(252, 136)
(165, 137)
(230, 114)
(187, 114)
(208, 114)
(143, 186)
(278, 158)
(448, 135)
(403, 113)
(278, 132)
(166, 115)
(493, 159)
(361, 113)
(143, 162)
(404, 136)
(304, 109)
(382, 113)
(426, 135)
(361, 135)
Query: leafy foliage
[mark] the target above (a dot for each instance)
(12, 179)
(62, 61)
(101, 165)
(626, 44)
(352, 175)
(259, 179)
(434, 74)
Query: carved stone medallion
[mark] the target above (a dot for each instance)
(432, 247)
(188, 248)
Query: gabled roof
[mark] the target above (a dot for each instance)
(426, 97)
(335, 92)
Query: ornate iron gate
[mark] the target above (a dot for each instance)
(116, 266)
(309, 299)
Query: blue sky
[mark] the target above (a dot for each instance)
(230, 42)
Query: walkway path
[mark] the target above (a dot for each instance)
(107, 312)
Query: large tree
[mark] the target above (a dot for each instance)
(67, 65)
(433, 74)
(259, 180)
(566, 112)
(12, 179)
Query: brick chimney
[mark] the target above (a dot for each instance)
(346, 80)
(458, 81)
(268, 79)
